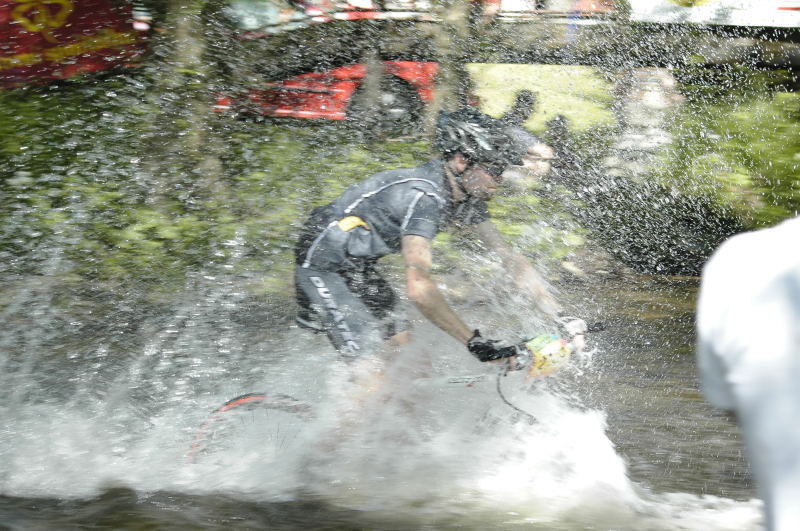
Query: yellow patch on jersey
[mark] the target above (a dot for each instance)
(351, 222)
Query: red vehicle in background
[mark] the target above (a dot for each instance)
(46, 40)
(339, 94)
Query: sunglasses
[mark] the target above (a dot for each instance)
(495, 170)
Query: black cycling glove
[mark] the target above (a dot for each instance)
(489, 349)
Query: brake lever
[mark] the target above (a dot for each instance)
(599, 326)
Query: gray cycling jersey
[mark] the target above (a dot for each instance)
(370, 218)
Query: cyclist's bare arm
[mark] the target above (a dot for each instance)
(423, 291)
(520, 269)
(525, 276)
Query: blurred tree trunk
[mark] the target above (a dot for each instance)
(371, 87)
(454, 38)
(181, 150)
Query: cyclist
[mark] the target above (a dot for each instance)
(339, 290)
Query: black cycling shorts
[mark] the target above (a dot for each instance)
(355, 306)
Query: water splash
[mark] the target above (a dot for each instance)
(418, 455)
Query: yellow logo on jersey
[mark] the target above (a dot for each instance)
(351, 222)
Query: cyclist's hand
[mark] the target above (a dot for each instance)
(489, 349)
(571, 327)
(579, 343)
(522, 360)
(575, 331)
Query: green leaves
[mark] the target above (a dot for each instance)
(743, 150)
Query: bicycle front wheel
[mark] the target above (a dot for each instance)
(263, 423)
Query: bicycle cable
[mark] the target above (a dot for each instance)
(531, 418)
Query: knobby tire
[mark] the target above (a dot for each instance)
(204, 441)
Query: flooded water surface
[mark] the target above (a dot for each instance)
(96, 433)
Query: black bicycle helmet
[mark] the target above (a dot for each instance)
(480, 138)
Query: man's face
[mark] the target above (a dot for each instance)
(480, 183)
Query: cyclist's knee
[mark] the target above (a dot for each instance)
(401, 338)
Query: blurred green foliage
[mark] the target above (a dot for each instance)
(73, 180)
(74, 184)
(741, 146)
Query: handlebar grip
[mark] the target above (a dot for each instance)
(599, 326)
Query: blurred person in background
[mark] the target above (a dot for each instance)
(536, 155)
(748, 354)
